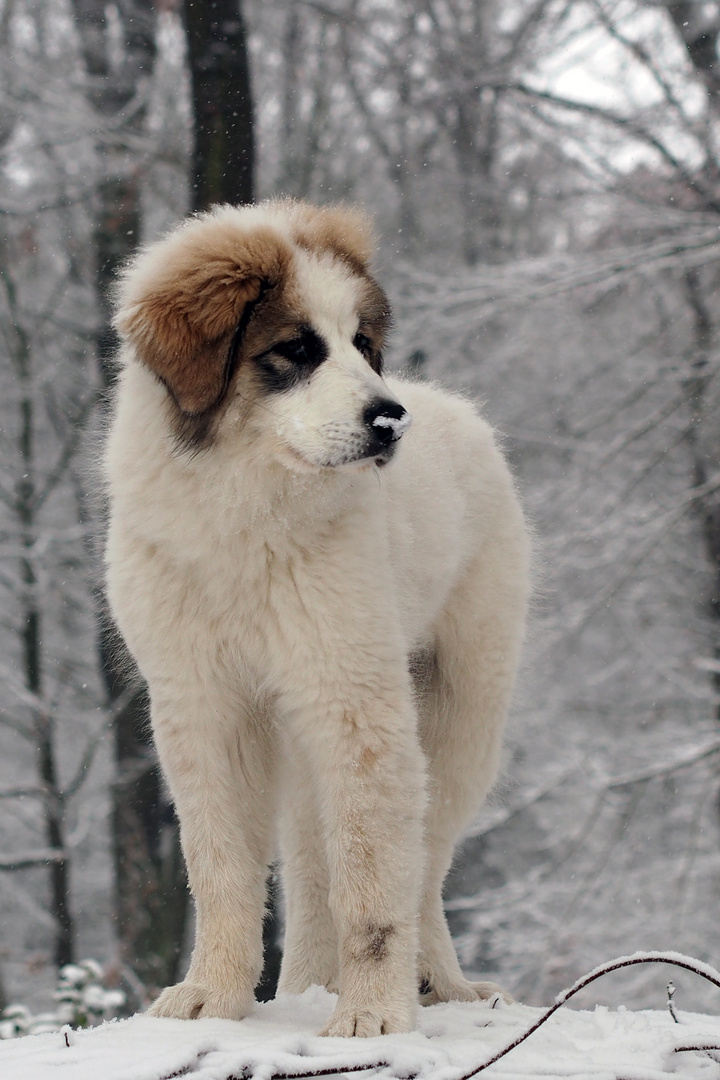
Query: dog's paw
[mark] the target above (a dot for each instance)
(464, 991)
(191, 1001)
(484, 991)
(352, 1022)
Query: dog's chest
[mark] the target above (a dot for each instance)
(275, 579)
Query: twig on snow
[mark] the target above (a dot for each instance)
(705, 971)
(676, 959)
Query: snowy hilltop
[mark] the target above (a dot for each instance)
(279, 1040)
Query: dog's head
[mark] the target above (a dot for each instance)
(268, 313)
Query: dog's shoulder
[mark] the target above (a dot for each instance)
(448, 426)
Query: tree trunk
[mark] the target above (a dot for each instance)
(475, 143)
(703, 439)
(698, 26)
(151, 898)
(224, 155)
(25, 505)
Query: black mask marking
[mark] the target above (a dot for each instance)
(289, 362)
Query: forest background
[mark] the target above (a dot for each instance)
(546, 183)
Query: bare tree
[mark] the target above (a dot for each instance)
(699, 30)
(119, 50)
(45, 324)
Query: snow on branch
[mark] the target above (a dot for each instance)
(429, 303)
(24, 860)
(496, 817)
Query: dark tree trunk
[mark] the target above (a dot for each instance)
(151, 895)
(224, 155)
(26, 507)
(703, 440)
(698, 26)
(151, 898)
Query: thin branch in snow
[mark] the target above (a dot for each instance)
(23, 793)
(708, 791)
(652, 772)
(111, 715)
(665, 524)
(24, 860)
(676, 959)
(701, 1048)
(67, 451)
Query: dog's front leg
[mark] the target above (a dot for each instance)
(217, 763)
(369, 773)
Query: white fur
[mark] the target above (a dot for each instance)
(274, 597)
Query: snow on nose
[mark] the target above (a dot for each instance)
(397, 424)
(387, 420)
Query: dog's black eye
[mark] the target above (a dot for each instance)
(289, 362)
(295, 351)
(307, 349)
(363, 344)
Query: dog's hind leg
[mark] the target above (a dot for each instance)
(310, 954)
(216, 758)
(463, 700)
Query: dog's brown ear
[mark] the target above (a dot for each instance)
(181, 300)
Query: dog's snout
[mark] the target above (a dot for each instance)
(387, 420)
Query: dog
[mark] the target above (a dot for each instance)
(323, 576)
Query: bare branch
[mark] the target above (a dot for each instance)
(601, 599)
(24, 860)
(642, 55)
(675, 959)
(622, 123)
(111, 715)
(23, 793)
(665, 769)
(485, 292)
(75, 434)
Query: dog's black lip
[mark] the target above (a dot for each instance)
(376, 459)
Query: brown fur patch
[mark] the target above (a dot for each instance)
(375, 319)
(368, 758)
(343, 231)
(377, 946)
(181, 302)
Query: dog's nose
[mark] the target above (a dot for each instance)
(387, 420)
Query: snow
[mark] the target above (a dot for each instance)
(398, 425)
(453, 1039)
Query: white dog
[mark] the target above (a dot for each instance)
(327, 604)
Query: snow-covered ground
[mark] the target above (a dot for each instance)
(279, 1038)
